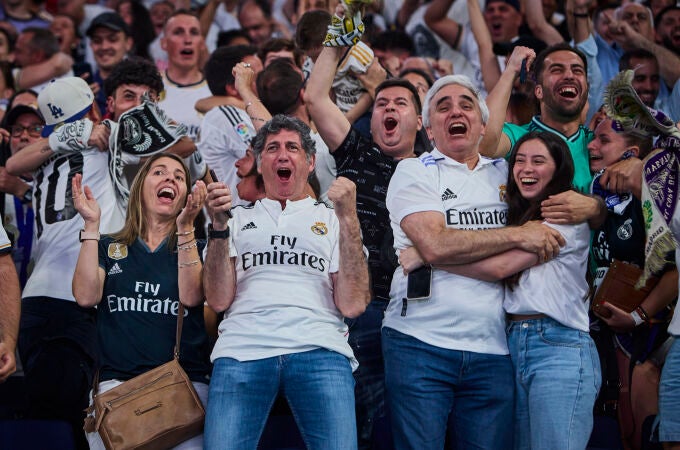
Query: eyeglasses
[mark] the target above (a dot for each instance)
(33, 130)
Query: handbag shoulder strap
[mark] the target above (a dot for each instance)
(178, 334)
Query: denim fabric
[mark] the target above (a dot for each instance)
(369, 392)
(318, 385)
(427, 384)
(557, 377)
(669, 396)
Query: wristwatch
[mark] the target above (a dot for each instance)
(214, 234)
(89, 235)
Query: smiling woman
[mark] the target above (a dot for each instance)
(139, 276)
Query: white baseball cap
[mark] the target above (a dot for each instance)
(64, 100)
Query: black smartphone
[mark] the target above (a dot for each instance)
(419, 283)
(213, 175)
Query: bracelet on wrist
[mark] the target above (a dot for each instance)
(249, 104)
(643, 314)
(636, 317)
(187, 247)
(185, 233)
(188, 264)
(89, 235)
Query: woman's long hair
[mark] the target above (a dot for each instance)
(135, 225)
(521, 210)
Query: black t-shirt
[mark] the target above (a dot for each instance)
(361, 161)
(137, 315)
(621, 237)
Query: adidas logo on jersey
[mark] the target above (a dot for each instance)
(115, 269)
(448, 195)
(249, 226)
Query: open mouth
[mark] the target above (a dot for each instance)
(595, 157)
(186, 52)
(528, 181)
(569, 92)
(457, 129)
(284, 174)
(167, 193)
(390, 124)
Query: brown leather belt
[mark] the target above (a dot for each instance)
(519, 317)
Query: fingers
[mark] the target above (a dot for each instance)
(76, 187)
(218, 201)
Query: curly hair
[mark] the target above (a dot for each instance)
(134, 70)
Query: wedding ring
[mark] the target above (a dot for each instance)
(246, 64)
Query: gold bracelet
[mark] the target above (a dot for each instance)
(188, 264)
(185, 233)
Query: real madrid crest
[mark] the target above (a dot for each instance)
(117, 250)
(502, 192)
(625, 231)
(320, 228)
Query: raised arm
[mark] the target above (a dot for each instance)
(437, 20)
(189, 266)
(495, 144)
(243, 82)
(351, 292)
(219, 271)
(53, 67)
(330, 122)
(539, 26)
(491, 71)
(88, 278)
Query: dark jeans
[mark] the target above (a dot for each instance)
(57, 345)
(369, 390)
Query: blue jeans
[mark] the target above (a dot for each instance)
(318, 385)
(426, 385)
(669, 395)
(557, 377)
(369, 392)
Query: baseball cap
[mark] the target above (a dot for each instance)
(513, 3)
(64, 100)
(110, 20)
(16, 111)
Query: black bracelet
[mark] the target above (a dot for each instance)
(581, 15)
(214, 234)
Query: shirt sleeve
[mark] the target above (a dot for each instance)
(413, 188)
(5, 244)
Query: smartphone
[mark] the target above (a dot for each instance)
(213, 175)
(419, 283)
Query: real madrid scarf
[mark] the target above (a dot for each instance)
(660, 168)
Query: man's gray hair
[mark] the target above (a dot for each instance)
(460, 80)
(281, 122)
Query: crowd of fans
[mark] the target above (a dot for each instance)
(387, 218)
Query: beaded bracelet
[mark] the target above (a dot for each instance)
(188, 246)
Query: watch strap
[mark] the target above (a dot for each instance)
(89, 235)
(214, 234)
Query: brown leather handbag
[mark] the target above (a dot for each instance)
(618, 287)
(155, 410)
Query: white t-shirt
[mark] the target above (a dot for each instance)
(284, 294)
(179, 100)
(226, 132)
(557, 288)
(462, 313)
(57, 223)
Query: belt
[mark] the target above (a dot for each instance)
(519, 317)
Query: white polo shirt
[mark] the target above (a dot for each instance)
(462, 313)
